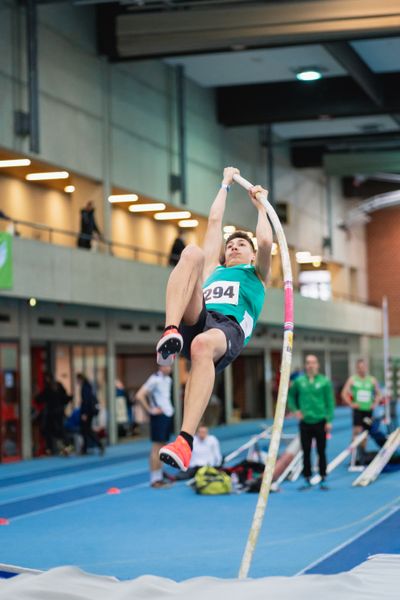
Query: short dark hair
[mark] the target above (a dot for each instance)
(243, 235)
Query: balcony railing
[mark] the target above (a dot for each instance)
(63, 237)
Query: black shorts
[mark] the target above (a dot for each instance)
(359, 416)
(211, 319)
(160, 428)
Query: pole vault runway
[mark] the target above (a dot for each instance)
(59, 513)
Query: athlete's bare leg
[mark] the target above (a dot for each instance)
(184, 297)
(206, 349)
(155, 462)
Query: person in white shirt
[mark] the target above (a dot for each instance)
(206, 452)
(155, 397)
(206, 449)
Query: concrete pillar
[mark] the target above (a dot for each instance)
(25, 378)
(328, 365)
(111, 401)
(228, 385)
(106, 154)
(269, 409)
(176, 396)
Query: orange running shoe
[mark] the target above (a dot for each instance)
(170, 344)
(177, 454)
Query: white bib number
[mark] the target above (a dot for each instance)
(222, 292)
(363, 396)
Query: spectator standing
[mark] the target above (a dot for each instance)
(88, 226)
(361, 392)
(53, 398)
(311, 399)
(177, 248)
(88, 410)
(155, 397)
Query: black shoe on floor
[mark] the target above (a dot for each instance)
(306, 486)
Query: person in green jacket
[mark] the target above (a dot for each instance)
(212, 307)
(312, 401)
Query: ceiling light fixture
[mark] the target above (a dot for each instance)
(309, 74)
(17, 162)
(47, 176)
(69, 189)
(147, 207)
(123, 198)
(304, 258)
(180, 214)
(188, 223)
(229, 229)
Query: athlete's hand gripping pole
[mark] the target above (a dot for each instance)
(283, 384)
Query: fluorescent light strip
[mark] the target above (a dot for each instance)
(180, 214)
(17, 162)
(188, 223)
(45, 176)
(309, 259)
(147, 207)
(300, 255)
(123, 198)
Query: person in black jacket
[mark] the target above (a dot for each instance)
(177, 248)
(89, 409)
(54, 399)
(88, 226)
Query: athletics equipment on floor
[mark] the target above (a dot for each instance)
(293, 469)
(341, 457)
(248, 445)
(380, 461)
(283, 383)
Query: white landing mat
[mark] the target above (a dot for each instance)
(377, 578)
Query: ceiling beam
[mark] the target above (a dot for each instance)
(344, 54)
(201, 29)
(297, 101)
(361, 162)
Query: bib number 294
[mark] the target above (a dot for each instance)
(222, 292)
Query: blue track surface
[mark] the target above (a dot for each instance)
(60, 514)
(381, 538)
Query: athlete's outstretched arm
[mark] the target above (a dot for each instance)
(263, 234)
(213, 238)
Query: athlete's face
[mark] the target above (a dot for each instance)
(311, 365)
(361, 368)
(165, 370)
(202, 432)
(238, 252)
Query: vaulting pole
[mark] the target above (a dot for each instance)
(283, 384)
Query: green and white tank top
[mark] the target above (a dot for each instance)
(237, 292)
(363, 392)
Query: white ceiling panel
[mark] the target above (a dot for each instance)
(382, 55)
(256, 66)
(332, 127)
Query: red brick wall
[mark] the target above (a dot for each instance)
(383, 260)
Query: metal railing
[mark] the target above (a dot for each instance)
(96, 243)
(55, 235)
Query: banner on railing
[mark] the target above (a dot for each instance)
(6, 262)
